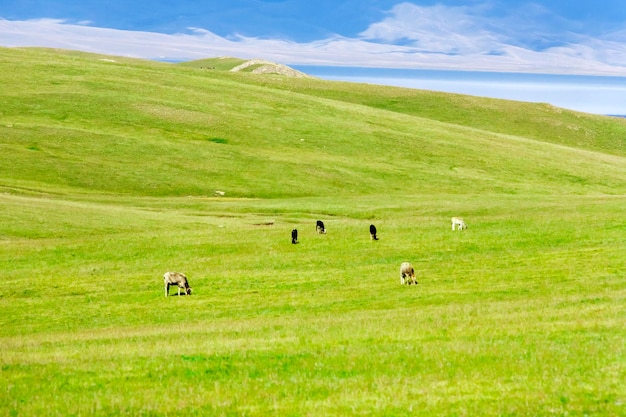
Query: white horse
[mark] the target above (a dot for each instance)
(457, 221)
(176, 279)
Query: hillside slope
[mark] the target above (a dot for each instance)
(109, 169)
(108, 124)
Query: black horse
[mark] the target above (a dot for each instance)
(373, 232)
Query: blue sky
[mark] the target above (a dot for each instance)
(556, 36)
(510, 36)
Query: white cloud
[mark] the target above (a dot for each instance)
(440, 29)
(411, 36)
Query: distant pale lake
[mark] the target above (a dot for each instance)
(586, 93)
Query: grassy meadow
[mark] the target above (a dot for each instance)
(109, 169)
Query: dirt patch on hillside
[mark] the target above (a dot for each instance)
(267, 67)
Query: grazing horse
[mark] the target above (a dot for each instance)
(176, 278)
(457, 221)
(319, 227)
(373, 232)
(407, 271)
(294, 236)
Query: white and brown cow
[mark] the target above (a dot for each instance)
(407, 274)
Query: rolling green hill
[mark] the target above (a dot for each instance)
(87, 121)
(116, 170)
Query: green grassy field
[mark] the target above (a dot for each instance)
(109, 169)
